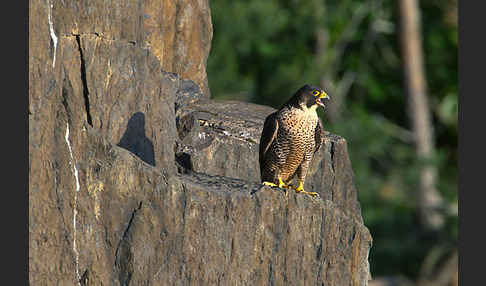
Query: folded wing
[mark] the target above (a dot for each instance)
(269, 133)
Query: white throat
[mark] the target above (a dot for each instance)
(312, 109)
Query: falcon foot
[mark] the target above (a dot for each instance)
(270, 184)
(281, 185)
(300, 189)
(313, 194)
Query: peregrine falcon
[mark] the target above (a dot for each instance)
(289, 139)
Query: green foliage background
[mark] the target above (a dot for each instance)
(263, 51)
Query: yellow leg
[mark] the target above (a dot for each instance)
(281, 184)
(300, 189)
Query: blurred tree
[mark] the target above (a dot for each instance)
(429, 199)
(328, 56)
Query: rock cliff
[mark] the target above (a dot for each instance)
(137, 178)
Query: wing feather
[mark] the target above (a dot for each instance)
(269, 132)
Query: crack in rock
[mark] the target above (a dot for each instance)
(123, 253)
(84, 81)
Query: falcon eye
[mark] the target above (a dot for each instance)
(315, 93)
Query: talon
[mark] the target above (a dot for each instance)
(270, 184)
(300, 189)
(281, 184)
(314, 194)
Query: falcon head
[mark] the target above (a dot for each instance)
(309, 96)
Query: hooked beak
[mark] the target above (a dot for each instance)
(322, 97)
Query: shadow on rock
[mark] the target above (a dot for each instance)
(135, 141)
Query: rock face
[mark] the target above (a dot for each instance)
(137, 178)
